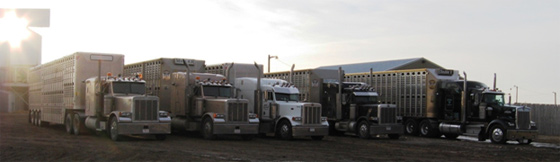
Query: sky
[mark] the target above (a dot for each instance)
(519, 40)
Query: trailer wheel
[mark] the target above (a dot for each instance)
(76, 124)
(394, 136)
(317, 138)
(498, 134)
(208, 129)
(114, 130)
(363, 130)
(284, 130)
(68, 123)
(161, 137)
(411, 127)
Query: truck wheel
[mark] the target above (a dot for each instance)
(426, 129)
(76, 124)
(114, 130)
(363, 130)
(394, 136)
(161, 137)
(284, 130)
(208, 129)
(68, 123)
(498, 134)
(451, 136)
(317, 138)
(411, 127)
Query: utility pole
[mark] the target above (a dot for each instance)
(516, 93)
(269, 57)
(555, 98)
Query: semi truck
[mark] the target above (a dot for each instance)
(439, 101)
(196, 101)
(351, 107)
(71, 91)
(276, 102)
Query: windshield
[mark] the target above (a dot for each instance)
(217, 91)
(494, 99)
(127, 87)
(286, 97)
(365, 99)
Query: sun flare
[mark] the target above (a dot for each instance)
(13, 29)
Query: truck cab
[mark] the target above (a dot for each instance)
(280, 110)
(120, 106)
(361, 113)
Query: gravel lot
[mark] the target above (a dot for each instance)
(21, 141)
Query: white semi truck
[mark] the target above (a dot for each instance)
(439, 101)
(276, 102)
(71, 91)
(352, 107)
(197, 101)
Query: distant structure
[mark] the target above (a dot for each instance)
(412, 63)
(15, 61)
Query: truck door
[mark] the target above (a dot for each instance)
(267, 105)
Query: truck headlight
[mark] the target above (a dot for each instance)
(374, 118)
(125, 114)
(252, 116)
(296, 118)
(163, 114)
(399, 118)
(511, 124)
(219, 116)
(533, 124)
(323, 118)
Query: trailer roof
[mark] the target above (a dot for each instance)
(411, 63)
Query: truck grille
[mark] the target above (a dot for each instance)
(311, 115)
(387, 115)
(237, 111)
(523, 118)
(145, 110)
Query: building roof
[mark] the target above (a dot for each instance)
(411, 63)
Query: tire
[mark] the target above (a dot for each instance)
(161, 137)
(30, 117)
(284, 130)
(394, 136)
(114, 130)
(411, 127)
(317, 138)
(498, 134)
(207, 130)
(77, 124)
(363, 130)
(68, 123)
(451, 136)
(426, 129)
(40, 121)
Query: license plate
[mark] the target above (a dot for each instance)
(237, 131)
(145, 130)
(388, 128)
(312, 129)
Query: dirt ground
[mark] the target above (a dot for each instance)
(21, 141)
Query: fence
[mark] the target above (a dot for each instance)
(547, 118)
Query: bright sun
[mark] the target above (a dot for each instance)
(13, 29)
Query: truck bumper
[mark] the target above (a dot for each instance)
(386, 129)
(521, 134)
(306, 131)
(243, 128)
(144, 128)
